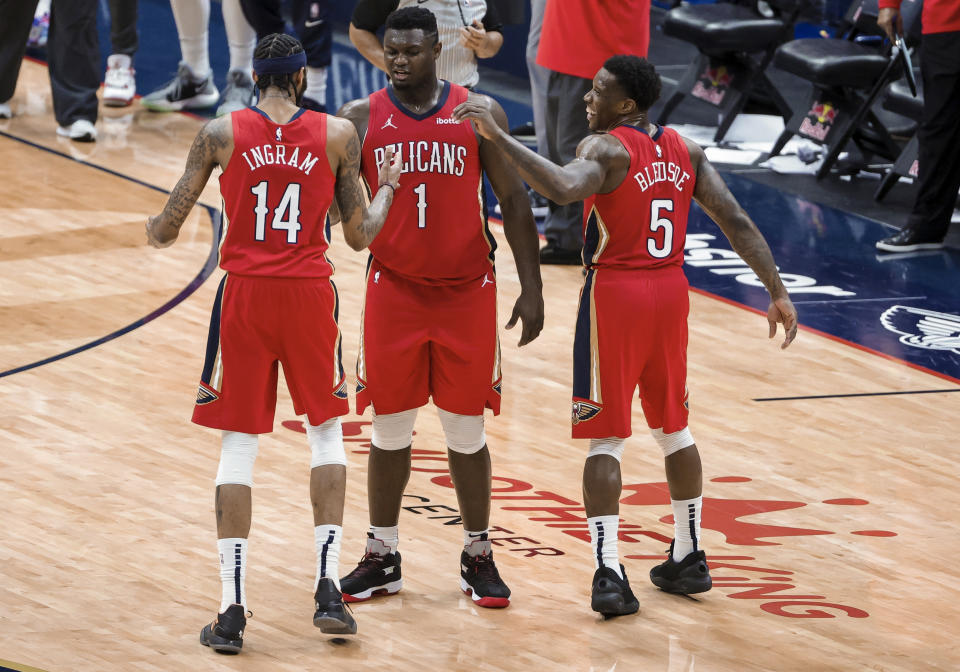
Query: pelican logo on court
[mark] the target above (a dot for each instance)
(922, 328)
(205, 396)
(584, 410)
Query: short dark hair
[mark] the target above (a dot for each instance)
(277, 45)
(637, 77)
(414, 18)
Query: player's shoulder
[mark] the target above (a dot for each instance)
(601, 147)
(355, 110)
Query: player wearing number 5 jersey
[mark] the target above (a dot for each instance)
(638, 179)
(430, 314)
(277, 304)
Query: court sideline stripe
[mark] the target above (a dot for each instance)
(855, 394)
(209, 266)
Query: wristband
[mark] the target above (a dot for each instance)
(387, 184)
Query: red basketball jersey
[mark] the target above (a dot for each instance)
(277, 188)
(643, 222)
(436, 231)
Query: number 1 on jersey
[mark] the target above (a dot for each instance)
(285, 218)
(421, 192)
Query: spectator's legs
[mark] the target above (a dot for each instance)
(539, 75)
(73, 54)
(123, 27)
(242, 40)
(939, 136)
(192, 18)
(14, 29)
(119, 84)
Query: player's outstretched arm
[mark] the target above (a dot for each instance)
(212, 146)
(520, 229)
(714, 197)
(573, 182)
(361, 224)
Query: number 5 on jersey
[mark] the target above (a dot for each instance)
(285, 218)
(658, 222)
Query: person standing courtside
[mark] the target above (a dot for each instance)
(430, 316)
(638, 180)
(282, 167)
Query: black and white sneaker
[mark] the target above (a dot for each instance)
(183, 92)
(611, 595)
(687, 577)
(480, 580)
(225, 634)
(909, 240)
(238, 93)
(378, 573)
(332, 615)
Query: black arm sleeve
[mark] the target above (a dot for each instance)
(491, 20)
(371, 14)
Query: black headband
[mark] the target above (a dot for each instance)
(280, 65)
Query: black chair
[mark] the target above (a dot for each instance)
(847, 77)
(900, 99)
(736, 44)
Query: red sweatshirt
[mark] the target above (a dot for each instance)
(939, 16)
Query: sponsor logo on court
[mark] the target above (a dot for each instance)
(921, 328)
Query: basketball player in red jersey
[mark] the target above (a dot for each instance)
(638, 179)
(282, 168)
(430, 316)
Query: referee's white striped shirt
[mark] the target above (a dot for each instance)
(457, 63)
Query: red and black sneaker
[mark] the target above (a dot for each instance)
(376, 574)
(225, 634)
(480, 580)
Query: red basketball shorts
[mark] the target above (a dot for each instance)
(256, 324)
(631, 332)
(419, 341)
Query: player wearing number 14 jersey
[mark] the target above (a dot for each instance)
(637, 180)
(282, 168)
(430, 312)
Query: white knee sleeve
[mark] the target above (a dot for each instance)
(612, 446)
(671, 443)
(238, 451)
(465, 433)
(326, 443)
(393, 431)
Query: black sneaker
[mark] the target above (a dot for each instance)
(552, 254)
(480, 580)
(332, 615)
(182, 92)
(225, 634)
(909, 240)
(690, 575)
(377, 574)
(611, 595)
(237, 94)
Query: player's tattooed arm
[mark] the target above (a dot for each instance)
(520, 229)
(212, 146)
(360, 223)
(714, 197)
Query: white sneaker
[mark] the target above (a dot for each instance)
(81, 131)
(5, 111)
(119, 86)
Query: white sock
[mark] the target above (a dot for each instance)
(233, 571)
(476, 543)
(388, 537)
(686, 526)
(327, 540)
(192, 18)
(316, 85)
(241, 37)
(603, 537)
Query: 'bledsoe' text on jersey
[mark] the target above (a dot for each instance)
(661, 171)
(424, 156)
(274, 155)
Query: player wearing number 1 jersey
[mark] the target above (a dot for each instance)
(277, 304)
(430, 313)
(638, 180)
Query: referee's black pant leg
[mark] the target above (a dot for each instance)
(311, 20)
(264, 15)
(939, 135)
(16, 17)
(73, 53)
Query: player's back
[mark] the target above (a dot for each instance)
(277, 189)
(643, 222)
(436, 231)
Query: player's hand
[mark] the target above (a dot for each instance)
(161, 235)
(891, 21)
(479, 111)
(529, 308)
(390, 170)
(782, 311)
(472, 36)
